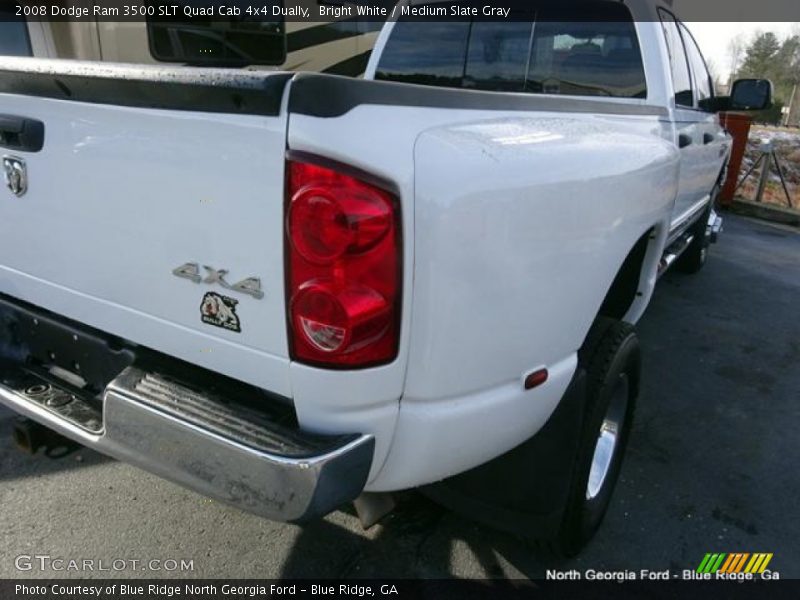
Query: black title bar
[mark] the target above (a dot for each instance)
(367, 10)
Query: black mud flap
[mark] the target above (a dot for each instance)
(525, 490)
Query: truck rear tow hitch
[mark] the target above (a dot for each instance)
(30, 436)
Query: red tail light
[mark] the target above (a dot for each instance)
(343, 268)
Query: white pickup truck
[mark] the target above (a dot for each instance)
(291, 290)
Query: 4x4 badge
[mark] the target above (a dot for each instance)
(191, 271)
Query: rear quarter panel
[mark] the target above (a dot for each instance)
(521, 224)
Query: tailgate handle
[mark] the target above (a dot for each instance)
(20, 133)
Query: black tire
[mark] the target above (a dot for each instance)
(612, 359)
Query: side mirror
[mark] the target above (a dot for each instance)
(751, 94)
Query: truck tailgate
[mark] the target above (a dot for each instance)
(145, 171)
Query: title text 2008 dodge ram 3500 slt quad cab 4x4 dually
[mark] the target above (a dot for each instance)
(286, 290)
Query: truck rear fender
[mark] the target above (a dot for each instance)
(522, 224)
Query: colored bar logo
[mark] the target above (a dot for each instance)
(737, 562)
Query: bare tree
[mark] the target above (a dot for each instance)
(736, 48)
(713, 70)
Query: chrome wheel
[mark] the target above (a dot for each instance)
(605, 448)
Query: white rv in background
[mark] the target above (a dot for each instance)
(339, 47)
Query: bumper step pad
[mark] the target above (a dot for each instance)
(228, 448)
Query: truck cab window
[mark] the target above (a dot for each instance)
(477, 55)
(679, 62)
(497, 56)
(702, 79)
(14, 38)
(426, 53)
(591, 52)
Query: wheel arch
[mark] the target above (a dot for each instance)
(632, 286)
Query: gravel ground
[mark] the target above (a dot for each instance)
(712, 464)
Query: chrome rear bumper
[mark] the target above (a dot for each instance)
(204, 442)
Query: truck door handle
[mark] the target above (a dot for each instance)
(708, 138)
(684, 140)
(21, 133)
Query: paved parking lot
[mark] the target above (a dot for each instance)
(712, 464)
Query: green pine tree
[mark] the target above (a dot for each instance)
(767, 58)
